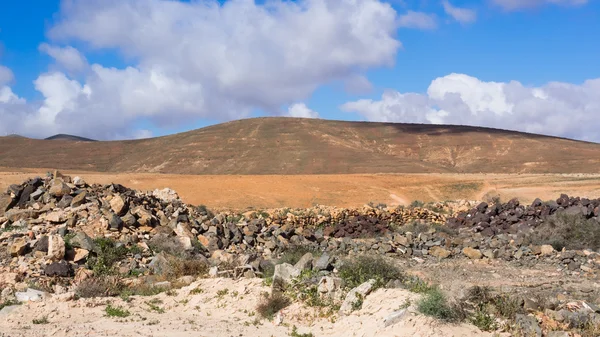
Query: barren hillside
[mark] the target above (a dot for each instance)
(311, 146)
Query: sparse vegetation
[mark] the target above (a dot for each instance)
(116, 311)
(571, 231)
(359, 270)
(295, 333)
(110, 252)
(8, 303)
(100, 286)
(435, 304)
(43, 320)
(270, 305)
(483, 319)
(294, 254)
(416, 204)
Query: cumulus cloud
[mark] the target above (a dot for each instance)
(417, 20)
(512, 5)
(462, 15)
(560, 109)
(68, 57)
(202, 59)
(6, 75)
(301, 110)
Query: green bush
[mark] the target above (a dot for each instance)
(435, 304)
(108, 253)
(116, 311)
(363, 268)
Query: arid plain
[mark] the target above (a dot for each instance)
(239, 192)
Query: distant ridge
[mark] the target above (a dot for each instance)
(14, 135)
(62, 136)
(284, 145)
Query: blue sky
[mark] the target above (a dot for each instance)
(533, 45)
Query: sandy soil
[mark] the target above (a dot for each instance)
(242, 192)
(233, 314)
(207, 314)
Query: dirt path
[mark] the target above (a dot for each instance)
(241, 192)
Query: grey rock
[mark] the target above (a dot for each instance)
(30, 295)
(82, 240)
(355, 296)
(160, 264)
(284, 274)
(305, 262)
(394, 317)
(322, 263)
(528, 325)
(557, 334)
(62, 269)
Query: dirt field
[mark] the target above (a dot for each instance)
(268, 191)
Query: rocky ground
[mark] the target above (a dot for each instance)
(70, 253)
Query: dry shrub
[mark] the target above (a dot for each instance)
(164, 243)
(186, 266)
(571, 231)
(270, 305)
(100, 286)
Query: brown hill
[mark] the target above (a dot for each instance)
(312, 146)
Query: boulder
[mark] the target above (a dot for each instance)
(59, 188)
(83, 241)
(19, 247)
(61, 268)
(355, 297)
(472, 253)
(79, 199)
(322, 263)
(528, 325)
(305, 262)
(6, 203)
(439, 252)
(118, 205)
(30, 295)
(283, 275)
(56, 247)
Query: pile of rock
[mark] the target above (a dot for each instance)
(512, 217)
(49, 226)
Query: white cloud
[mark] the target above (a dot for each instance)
(560, 109)
(68, 57)
(418, 20)
(203, 59)
(6, 75)
(512, 5)
(462, 15)
(301, 110)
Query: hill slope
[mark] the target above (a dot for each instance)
(311, 146)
